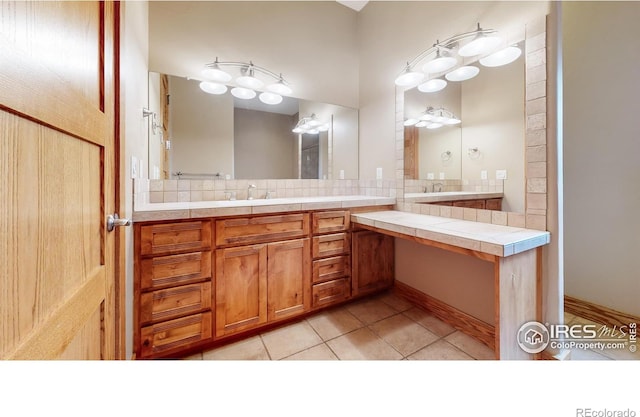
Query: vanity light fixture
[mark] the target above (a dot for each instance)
(310, 125)
(452, 57)
(433, 118)
(244, 86)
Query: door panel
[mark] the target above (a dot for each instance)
(57, 170)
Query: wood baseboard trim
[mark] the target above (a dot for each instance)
(598, 313)
(462, 321)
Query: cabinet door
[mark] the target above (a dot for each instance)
(289, 278)
(241, 288)
(373, 262)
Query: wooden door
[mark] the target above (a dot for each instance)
(288, 278)
(241, 288)
(373, 262)
(58, 78)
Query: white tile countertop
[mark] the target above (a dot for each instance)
(450, 196)
(492, 239)
(199, 209)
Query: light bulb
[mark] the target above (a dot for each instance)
(280, 88)
(502, 57)
(213, 88)
(409, 77)
(432, 86)
(214, 73)
(249, 81)
(440, 64)
(462, 73)
(480, 45)
(270, 98)
(243, 93)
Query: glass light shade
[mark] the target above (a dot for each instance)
(216, 74)
(480, 45)
(323, 128)
(243, 93)
(432, 86)
(427, 116)
(462, 73)
(280, 88)
(439, 119)
(248, 81)
(297, 130)
(439, 64)
(410, 122)
(453, 121)
(422, 123)
(313, 131)
(270, 98)
(213, 88)
(434, 125)
(314, 123)
(306, 126)
(409, 78)
(502, 57)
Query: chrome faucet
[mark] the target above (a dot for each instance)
(249, 191)
(230, 195)
(439, 185)
(268, 194)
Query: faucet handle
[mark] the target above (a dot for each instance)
(268, 194)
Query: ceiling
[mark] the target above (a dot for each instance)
(356, 5)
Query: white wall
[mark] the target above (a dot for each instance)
(601, 153)
(133, 97)
(312, 43)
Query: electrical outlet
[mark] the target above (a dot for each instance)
(378, 173)
(441, 176)
(501, 174)
(342, 174)
(483, 174)
(431, 176)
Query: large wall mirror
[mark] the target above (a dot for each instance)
(490, 137)
(195, 135)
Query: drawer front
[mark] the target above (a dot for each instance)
(250, 230)
(331, 221)
(175, 237)
(331, 245)
(173, 334)
(330, 292)
(175, 302)
(493, 204)
(476, 204)
(331, 268)
(172, 270)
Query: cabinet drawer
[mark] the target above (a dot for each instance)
(249, 230)
(173, 334)
(330, 245)
(493, 204)
(175, 237)
(175, 302)
(331, 292)
(172, 270)
(331, 221)
(331, 268)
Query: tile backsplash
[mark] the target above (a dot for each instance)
(172, 191)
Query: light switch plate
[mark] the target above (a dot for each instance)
(342, 174)
(441, 175)
(430, 176)
(501, 174)
(483, 174)
(378, 173)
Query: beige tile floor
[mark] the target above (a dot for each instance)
(606, 354)
(384, 327)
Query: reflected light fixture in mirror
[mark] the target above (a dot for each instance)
(246, 84)
(482, 43)
(310, 125)
(433, 118)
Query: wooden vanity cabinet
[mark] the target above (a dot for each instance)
(373, 262)
(173, 287)
(261, 282)
(488, 204)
